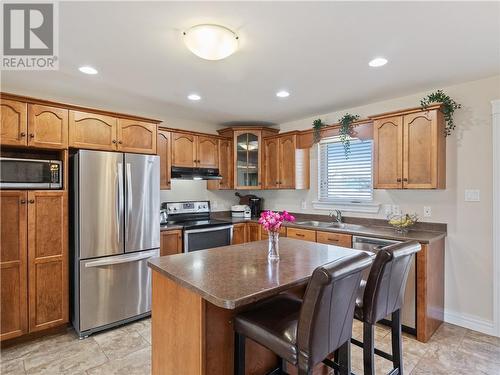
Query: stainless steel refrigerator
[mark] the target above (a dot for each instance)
(115, 202)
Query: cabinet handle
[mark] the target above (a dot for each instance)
(398, 180)
(32, 135)
(114, 140)
(333, 239)
(23, 201)
(299, 234)
(31, 201)
(405, 179)
(23, 134)
(120, 142)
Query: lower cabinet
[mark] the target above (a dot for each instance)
(338, 239)
(302, 234)
(170, 242)
(253, 231)
(34, 261)
(239, 234)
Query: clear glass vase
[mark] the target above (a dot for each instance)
(273, 251)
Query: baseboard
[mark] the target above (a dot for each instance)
(471, 322)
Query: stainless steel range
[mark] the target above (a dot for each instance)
(200, 231)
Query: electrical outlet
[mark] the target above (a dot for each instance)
(472, 195)
(303, 204)
(427, 211)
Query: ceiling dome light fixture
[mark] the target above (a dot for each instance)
(282, 94)
(194, 97)
(87, 69)
(377, 62)
(211, 42)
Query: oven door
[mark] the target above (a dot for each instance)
(207, 238)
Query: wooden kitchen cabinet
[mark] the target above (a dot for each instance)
(285, 166)
(338, 239)
(301, 234)
(163, 149)
(239, 234)
(253, 231)
(170, 242)
(136, 136)
(207, 152)
(13, 263)
(47, 259)
(14, 123)
(183, 150)
(92, 131)
(264, 235)
(410, 150)
(47, 127)
(225, 166)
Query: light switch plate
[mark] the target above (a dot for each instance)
(472, 195)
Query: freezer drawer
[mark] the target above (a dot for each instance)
(114, 288)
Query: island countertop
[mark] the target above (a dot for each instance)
(234, 276)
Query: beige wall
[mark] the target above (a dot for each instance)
(469, 290)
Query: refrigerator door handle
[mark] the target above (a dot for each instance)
(129, 199)
(118, 260)
(119, 211)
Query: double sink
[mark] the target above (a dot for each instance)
(324, 224)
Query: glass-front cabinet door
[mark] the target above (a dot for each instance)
(247, 145)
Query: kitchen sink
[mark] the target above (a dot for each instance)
(320, 224)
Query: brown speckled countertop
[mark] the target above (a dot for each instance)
(423, 232)
(234, 276)
(170, 227)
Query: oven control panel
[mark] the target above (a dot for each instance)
(187, 207)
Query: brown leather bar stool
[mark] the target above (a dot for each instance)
(382, 294)
(304, 333)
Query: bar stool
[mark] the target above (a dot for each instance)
(382, 294)
(304, 333)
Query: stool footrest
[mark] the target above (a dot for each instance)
(378, 352)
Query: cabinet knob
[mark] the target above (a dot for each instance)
(120, 142)
(398, 180)
(23, 134)
(32, 135)
(405, 179)
(114, 141)
(23, 201)
(31, 201)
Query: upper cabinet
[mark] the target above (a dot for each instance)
(194, 151)
(136, 136)
(285, 166)
(225, 166)
(100, 132)
(47, 126)
(247, 159)
(163, 148)
(92, 131)
(33, 125)
(410, 151)
(14, 125)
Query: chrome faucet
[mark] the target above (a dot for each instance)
(336, 215)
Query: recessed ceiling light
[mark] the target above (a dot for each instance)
(282, 94)
(211, 42)
(87, 70)
(378, 61)
(194, 97)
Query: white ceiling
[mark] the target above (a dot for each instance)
(318, 51)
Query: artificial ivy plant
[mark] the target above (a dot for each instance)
(318, 124)
(346, 131)
(448, 108)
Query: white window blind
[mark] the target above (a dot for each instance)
(341, 179)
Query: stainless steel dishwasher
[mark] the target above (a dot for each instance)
(408, 311)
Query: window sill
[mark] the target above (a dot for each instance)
(366, 207)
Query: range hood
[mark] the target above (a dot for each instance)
(181, 173)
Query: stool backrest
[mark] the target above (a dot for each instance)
(325, 321)
(385, 287)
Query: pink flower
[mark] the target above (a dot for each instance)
(273, 221)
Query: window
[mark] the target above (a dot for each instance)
(345, 180)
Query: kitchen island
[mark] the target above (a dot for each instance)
(196, 295)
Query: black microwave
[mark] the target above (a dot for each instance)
(40, 174)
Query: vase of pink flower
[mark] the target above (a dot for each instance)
(272, 222)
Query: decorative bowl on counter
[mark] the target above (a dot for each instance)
(402, 222)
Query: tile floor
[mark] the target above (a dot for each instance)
(127, 350)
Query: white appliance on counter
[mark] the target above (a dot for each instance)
(115, 230)
(241, 211)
